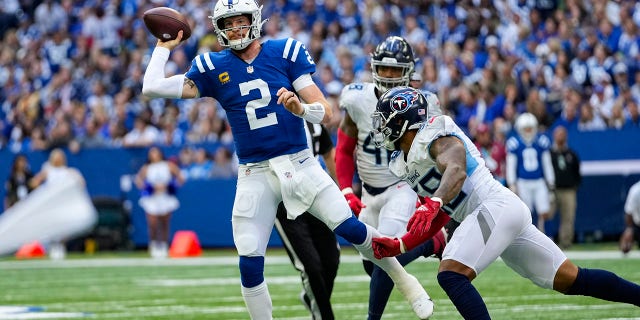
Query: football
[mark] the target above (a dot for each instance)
(164, 23)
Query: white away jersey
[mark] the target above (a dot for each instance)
(359, 100)
(421, 173)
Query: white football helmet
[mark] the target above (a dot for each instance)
(230, 8)
(527, 126)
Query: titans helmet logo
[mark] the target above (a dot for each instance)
(401, 101)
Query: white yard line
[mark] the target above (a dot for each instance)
(232, 260)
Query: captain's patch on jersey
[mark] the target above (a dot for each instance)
(224, 77)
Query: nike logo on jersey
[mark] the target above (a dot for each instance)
(303, 160)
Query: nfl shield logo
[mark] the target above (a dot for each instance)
(250, 69)
(288, 175)
(247, 172)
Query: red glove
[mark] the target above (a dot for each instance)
(385, 247)
(421, 220)
(354, 202)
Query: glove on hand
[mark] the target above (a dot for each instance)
(421, 220)
(354, 203)
(385, 247)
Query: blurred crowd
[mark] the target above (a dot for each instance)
(71, 71)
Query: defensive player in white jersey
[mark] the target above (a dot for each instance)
(529, 171)
(387, 201)
(441, 163)
(267, 92)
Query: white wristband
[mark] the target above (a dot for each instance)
(347, 190)
(436, 199)
(402, 248)
(312, 112)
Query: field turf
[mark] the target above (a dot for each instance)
(129, 285)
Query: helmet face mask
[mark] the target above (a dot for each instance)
(398, 110)
(231, 8)
(383, 134)
(393, 52)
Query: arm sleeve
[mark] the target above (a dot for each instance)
(302, 82)
(411, 240)
(154, 83)
(345, 162)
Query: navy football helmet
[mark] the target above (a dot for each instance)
(395, 52)
(398, 110)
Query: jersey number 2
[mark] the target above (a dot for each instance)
(250, 108)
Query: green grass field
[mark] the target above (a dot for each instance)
(131, 286)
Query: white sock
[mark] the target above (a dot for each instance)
(163, 248)
(57, 251)
(258, 301)
(390, 265)
(153, 248)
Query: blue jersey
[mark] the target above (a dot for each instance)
(529, 164)
(262, 129)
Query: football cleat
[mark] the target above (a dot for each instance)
(419, 299)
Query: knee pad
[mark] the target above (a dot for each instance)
(247, 244)
(251, 271)
(352, 230)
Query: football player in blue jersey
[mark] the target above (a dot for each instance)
(529, 168)
(436, 158)
(267, 92)
(312, 247)
(387, 201)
